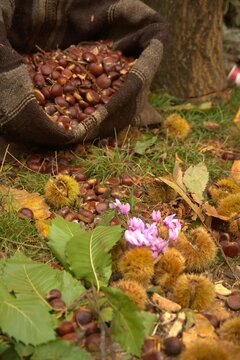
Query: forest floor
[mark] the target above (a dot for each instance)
(151, 170)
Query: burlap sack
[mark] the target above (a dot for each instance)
(136, 29)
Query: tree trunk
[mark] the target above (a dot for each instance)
(193, 63)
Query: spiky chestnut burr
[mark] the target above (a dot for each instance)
(223, 188)
(194, 291)
(229, 205)
(230, 330)
(160, 192)
(61, 191)
(198, 249)
(137, 264)
(176, 127)
(134, 290)
(205, 350)
(168, 267)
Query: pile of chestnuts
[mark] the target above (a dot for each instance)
(71, 84)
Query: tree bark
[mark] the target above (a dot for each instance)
(193, 62)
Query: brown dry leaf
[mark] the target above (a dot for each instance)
(236, 119)
(235, 170)
(14, 200)
(178, 173)
(177, 325)
(184, 196)
(222, 290)
(211, 125)
(167, 318)
(202, 329)
(207, 148)
(42, 228)
(212, 211)
(165, 304)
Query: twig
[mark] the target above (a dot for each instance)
(4, 158)
(23, 244)
(24, 166)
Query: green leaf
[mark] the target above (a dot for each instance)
(88, 254)
(106, 314)
(70, 288)
(106, 218)
(195, 179)
(4, 346)
(146, 141)
(4, 294)
(25, 276)
(26, 321)
(60, 350)
(149, 322)
(60, 232)
(23, 350)
(127, 323)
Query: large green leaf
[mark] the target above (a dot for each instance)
(60, 232)
(196, 179)
(150, 321)
(25, 276)
(26, 321)
(128, 323)
(88, 254)
(60, 350)
(71, 288)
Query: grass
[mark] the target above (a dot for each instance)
(17, 234)
(115, 161)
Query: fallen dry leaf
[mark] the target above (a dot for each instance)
(178, 174)
(211, 125)
(222, 290)
(202, 329)
(236, 119)
(167, 318)
(184, 196)
(235, 170)
(42, 228)
(14, 200)
(212, 211)
(165, 304)
(177, 325)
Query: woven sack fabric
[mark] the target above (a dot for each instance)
(135, 28)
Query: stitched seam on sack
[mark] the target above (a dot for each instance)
(10, 115)
(139, 74)
(111, 13)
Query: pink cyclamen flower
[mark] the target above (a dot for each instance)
(136, 223)
(156, 216)
(122, 208)
(174, 227)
